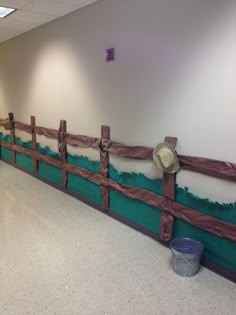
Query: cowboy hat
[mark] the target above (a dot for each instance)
(165, 157)
(7, 125)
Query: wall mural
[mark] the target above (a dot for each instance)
(145, 202)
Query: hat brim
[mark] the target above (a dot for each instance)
(172, 169)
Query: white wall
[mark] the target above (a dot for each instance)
(174, 74)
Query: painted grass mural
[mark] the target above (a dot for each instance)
(220, 250)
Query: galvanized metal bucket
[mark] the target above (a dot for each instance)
(186, 256)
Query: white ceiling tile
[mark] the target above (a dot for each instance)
(17, 4)
(30, 17)
(8, 26)
(50, 7)
(79, 3)
(33, 13)
(12, 29)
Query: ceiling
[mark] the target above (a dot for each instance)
(33, 13)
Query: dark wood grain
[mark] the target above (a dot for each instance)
(33, 154)
(210, 167)
(21, 126)
(82, 141)
(47, 132)
(12, 133)
(194, 217)
(206, 166)
(168, 207)
(168, 190)
(104, 162)
(131, 152)
(2, 122)
(34, 142)
(63, 149)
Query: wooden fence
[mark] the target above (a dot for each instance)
(165, 202)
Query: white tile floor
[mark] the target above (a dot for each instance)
(59, 256)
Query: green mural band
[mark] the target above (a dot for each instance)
(220, 250)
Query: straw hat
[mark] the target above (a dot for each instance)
(165, 157)
(7, 125)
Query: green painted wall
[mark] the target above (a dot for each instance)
(220, 250)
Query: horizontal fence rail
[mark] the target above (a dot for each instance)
(82, 141)
(165, 202)
(21, 126)
(206, 166)
(219, 169)
(47, 132)
(131, 152)
(201, 220)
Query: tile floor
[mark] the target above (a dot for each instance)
(59, 256)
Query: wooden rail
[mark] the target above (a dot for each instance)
(165, 203)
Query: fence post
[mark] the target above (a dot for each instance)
(62, 147)
(104, 163)
(12, 133)
(34, 142)
(168, 190)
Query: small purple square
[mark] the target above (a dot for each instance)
(110, 54)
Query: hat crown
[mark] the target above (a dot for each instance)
(166, 158)
(7, 125)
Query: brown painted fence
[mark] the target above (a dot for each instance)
(166, 203)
